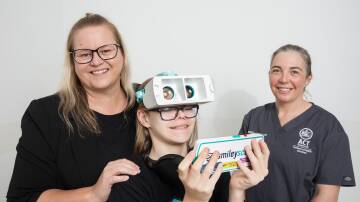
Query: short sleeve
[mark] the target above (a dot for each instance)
(335, 164)
(34, 169)
(245, 125)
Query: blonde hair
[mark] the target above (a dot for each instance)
(143, 141)
(73, 100)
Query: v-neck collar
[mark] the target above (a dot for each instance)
(293, 122)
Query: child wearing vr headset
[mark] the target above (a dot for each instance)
(166, 131)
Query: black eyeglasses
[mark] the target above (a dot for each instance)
(105, 52)
(170, 113)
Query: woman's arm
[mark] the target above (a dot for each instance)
(326, 193)
(35, 167)
(114, 172)
(81, 194)
(36, 177)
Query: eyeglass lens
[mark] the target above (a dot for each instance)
(170, 113)
(106, 52)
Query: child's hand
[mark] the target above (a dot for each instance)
(199, 186)
(247, 177)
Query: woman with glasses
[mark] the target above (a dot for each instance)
(75, 143)
(164, 137)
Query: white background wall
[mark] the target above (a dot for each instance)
(232, 40)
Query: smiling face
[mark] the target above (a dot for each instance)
(177, 132)
(99, 74)
(288, 77)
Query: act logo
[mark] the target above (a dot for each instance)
(303, 145)
(306, 133)
(305, 136)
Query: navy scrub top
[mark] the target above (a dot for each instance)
(311, 149)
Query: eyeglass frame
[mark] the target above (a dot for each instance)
(72, 52)
(178, 108)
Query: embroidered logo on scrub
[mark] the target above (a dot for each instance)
(303, 144)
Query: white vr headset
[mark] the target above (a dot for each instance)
(162, 91)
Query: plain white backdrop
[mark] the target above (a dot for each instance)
(232, 40)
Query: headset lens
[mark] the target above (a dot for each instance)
(168, 93)
(189, 91)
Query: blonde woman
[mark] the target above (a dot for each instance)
(75, 143)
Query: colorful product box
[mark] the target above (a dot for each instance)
(231, 149)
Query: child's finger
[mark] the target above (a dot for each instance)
(216, 175)
(256, 148)
(254, 162)
(186, 163)
(211, 164)
(201, 158)
(244, 168)
(265, 150)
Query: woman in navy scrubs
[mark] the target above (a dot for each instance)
(310, 155)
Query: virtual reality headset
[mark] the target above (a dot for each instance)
(162, 91)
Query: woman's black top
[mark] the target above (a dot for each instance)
(48, 157)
